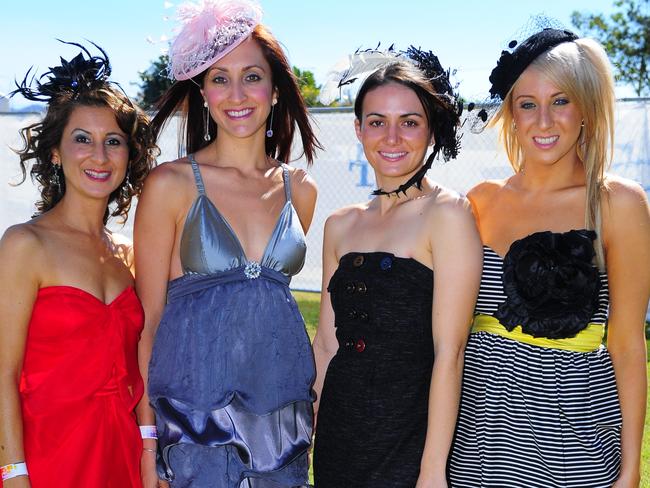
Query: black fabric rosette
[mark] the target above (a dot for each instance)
(551, 284)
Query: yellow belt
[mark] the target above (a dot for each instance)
(587, 340)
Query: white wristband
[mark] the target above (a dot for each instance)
(149, 432)
(12, 470)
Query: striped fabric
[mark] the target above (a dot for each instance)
(533, 417)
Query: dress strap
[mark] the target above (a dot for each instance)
(287, 182)
(197, 174)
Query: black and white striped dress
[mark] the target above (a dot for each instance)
(531, 416)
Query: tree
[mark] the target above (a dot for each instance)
(626, 38)
(308, 87)
(153, 82)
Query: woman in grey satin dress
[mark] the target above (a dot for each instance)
(219, 233)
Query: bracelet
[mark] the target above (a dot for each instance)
(12, 470)
(149, 432)
(149, 450)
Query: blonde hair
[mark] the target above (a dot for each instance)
(582, 70)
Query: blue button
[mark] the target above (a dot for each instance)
(386, 263)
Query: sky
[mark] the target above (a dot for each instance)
(467, 35)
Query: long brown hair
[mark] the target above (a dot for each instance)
(290, 111)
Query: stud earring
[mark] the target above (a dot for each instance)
(269, 133)
(206, 122)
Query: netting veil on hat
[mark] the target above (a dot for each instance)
(540, 34)
(210, 29)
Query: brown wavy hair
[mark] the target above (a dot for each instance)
(41, 138)
(185, 97)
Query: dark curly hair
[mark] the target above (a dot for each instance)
(82, 83)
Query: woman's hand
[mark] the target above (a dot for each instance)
(627, 481)
(17, 482)
(437, 481)
(148, 471)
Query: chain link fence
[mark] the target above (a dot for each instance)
(342, 172)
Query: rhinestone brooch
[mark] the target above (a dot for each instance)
(252, 270)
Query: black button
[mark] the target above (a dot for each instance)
(386, 263)
(350, 287)
(361, 287)
(360, 346)
(363, 316)
(358, 261)
(352, 314)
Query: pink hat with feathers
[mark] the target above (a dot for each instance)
(209, 30)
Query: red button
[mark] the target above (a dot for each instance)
(360, 346)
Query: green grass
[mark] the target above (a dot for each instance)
(309, 304)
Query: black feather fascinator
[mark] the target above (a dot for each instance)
(81, 73)
(445, 119)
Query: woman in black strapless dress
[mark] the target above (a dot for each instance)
(385, 409)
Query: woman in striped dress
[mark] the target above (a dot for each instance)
(544, 403)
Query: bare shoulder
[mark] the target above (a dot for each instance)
(624, 195)
(22, 245)
(485, 190)
(341, 221)
(302, 184)
(448, 204)
(169, 174)
(625, 210)
(169, 185)
(27, 236)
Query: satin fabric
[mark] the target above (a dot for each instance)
(79, 386)
(210, 245)
(232, 376)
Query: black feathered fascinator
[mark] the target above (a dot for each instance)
(69, 79)
(446, 117)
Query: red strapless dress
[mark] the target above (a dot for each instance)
(79, 387)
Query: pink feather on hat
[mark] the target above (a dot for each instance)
(209, 30)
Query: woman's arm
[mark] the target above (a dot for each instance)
(19, 257)
(626, 226)
(457, 262)
(304, 192)
(325, 342)
(154, 237)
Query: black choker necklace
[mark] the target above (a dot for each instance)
(416, 180)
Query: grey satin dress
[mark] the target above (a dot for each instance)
(232, 367)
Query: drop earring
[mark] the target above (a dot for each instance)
(269, 133)
(125, 190)
(206, 122)
(55, 179)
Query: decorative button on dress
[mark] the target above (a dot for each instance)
(232, 367)
(372, 418)
(79, 386)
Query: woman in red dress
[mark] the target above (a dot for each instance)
(69, 317)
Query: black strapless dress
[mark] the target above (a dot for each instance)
(372, 420)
